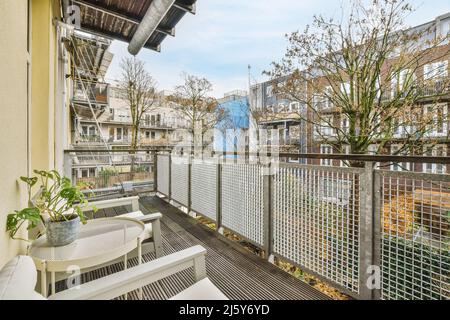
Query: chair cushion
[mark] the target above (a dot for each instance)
(148, 226)
(18, 280)
(202, 290)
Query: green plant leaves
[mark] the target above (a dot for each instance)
(16, 220)
(29, 181)
(57, 197)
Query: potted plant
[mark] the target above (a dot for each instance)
(58, 206)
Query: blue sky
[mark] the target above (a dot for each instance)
(224, 37)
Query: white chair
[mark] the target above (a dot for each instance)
(18, 279)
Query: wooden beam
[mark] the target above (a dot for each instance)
(114, 36)
(186, 8)
(131, 19)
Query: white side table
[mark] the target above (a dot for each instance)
(99, 241)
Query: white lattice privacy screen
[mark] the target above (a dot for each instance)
(180, 180)
(163, 174)
(204, 188)
(315, 221)
(415, 236)
(242, 200)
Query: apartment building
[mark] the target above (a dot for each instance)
(111, 128)
(282, 114)
(236, 123)
(274, 112)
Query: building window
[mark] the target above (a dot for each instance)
(269, 91)
(294, 107)
(400, 166)
(435, 151)
(147, 134)
(326, 149)
(84, 173)
(438, 114)
(119, 134)
(153, 135)
(92, 131)
(345, 124)
(435, 71)
(326, 129)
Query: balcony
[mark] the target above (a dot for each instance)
(436, 88)
(87, 139)
(430, 90)
(94, 93)
(314, 218)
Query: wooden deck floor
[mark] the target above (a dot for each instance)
(238, 273)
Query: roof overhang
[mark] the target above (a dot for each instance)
(120, 19)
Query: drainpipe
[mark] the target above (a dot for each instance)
(65, 5)
(155, 13)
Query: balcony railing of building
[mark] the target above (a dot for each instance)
(433, 88)
(105, 172)
(79, 138)
(344, 225)
(85, 91)
(163, 124)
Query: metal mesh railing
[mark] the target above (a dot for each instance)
(179, 175)
(242, 200)
(337, 223)
(204, 188)
(163, 173)
(415, 236)
(316, 221)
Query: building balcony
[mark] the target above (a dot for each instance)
(95, 93)
(87, 139)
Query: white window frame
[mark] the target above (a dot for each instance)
(117, 134)
(404, 166)
(325, 129)
(433, 132)
(294, 106)
(431, 71)
(345, 123)
(269, 91)
(326, 149)
(435, 168)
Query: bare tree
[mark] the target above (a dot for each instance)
(193, 101)
(140, 89)
(362, 78)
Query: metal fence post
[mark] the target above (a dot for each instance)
(155, 171)
(268, 227)
(366, 240)
(189, 202)
(219, 198)
(377, 228)
(170, 178)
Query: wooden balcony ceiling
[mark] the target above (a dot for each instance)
(238, 273)
(119, 19)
